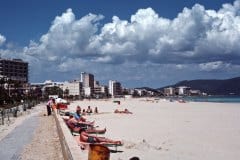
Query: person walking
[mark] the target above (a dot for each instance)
(49, 103)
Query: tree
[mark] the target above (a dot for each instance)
(66, 92)
(55, 90)
(4, 97)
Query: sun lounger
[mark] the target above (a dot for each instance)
(85, 145)
(76, 133)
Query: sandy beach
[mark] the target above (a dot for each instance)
(159, 129)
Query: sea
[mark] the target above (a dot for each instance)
(218, 99)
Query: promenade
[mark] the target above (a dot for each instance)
(32, 136)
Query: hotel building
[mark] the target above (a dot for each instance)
(15, 70)
(115, 88)
(169, 91)
(87, 80)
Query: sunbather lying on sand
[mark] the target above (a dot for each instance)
(124, 111)
(85, 137)
(74, 125)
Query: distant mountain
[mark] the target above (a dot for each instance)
(148, 89)
(212, 87)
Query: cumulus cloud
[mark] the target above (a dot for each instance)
(196, 35)
(205, 39)
(2, 39)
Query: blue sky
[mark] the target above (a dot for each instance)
(142, 43)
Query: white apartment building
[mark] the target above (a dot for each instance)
(74, 88)
(87, 91)
(183, 90)
(115, 88)
(170, 91)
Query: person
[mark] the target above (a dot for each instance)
(95, 110)
(49, 103)
(89, 110)
(127, 111)
(124, 111)
(53, 105)
(77, 114)
(75, 126)
(85, 137)
(83, 112)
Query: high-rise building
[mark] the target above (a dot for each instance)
(87, 80)
(183, 90)
(15, 70)
(115, 88)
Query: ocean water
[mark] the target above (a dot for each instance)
(219, 99)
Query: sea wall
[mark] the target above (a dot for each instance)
(70, 148)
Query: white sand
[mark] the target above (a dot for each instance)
(170, 130)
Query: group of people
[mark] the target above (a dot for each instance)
(89, 111)
(77, 123)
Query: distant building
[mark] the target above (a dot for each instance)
(73, 88)
(87, 91)
(87, 80)
(47, 84)
(115, 88)
(170, 91)
(101, 91)
(96, 84)
(195, 92)
(15, 69)
(141, 92)
(183, 90)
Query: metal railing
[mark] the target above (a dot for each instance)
(8, 113)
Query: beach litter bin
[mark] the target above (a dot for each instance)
(98, 152)
(118, 102)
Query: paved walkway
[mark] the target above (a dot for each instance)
(13, 144)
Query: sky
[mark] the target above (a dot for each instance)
(139, 43)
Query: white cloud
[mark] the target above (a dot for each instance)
(195, 35)
(2, 39)
(206, 39)
(66, 37)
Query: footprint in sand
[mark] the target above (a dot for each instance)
(129, 145)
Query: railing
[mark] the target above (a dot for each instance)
(8, 113)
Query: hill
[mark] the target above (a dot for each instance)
(213, 86)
